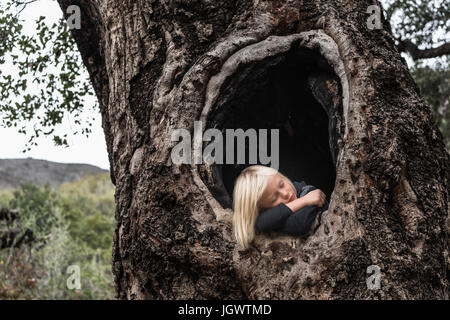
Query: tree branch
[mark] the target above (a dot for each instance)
(15, 237)
(8, 215)
(416, 53)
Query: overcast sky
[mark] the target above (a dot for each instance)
(90, 150)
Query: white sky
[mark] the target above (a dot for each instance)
(91, 150)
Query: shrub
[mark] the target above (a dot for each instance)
(74, 225)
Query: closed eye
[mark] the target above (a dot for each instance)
(274, 198)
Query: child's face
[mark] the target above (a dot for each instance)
(277, 191)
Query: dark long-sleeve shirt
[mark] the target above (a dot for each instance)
(282, 219)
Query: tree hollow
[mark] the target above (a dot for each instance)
(296, 92)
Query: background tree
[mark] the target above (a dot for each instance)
(47, 80)
(151, 66)
(422, 29)
(71, 224)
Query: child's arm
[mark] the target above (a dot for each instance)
(300, 222)
(295, 217)
(313, 198)
(282, 219)
(298, 203)
(273, 218)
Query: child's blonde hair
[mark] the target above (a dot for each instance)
(248, 189)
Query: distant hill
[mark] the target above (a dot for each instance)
(13, 172)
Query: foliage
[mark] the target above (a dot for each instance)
(5, 196)
(426, 25)
(93, 199)
(77, 223)
(37, 208)
(52, 80)
(434, 84)
(419, 21)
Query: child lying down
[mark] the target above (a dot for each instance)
(265, 200)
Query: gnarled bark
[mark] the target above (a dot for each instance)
(157, 66)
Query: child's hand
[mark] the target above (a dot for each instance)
(315, 198)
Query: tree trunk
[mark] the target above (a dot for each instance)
(367, 139)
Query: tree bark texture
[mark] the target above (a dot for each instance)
(157, 66)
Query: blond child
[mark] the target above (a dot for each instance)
(265, 200)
